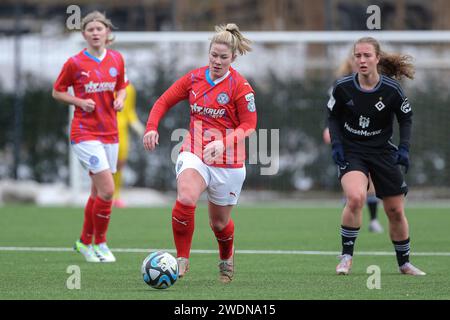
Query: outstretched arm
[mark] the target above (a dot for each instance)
(177, 92)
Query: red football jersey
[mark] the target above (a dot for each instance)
(98, 80)
(223, 110)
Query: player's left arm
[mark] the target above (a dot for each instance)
(246, 111)
(404, 114)
(121, 85)
(120, 99)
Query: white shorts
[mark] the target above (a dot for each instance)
(96, 156)
(224, 185)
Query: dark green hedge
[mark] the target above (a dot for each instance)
(295, 106)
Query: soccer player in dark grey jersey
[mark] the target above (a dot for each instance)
(347, 68)
(361, 114)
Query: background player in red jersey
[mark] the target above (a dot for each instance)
(95, 74)
(223, 113)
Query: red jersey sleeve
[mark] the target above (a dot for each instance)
(65, 78)
(177, 92)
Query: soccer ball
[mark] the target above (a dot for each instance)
(160, 270)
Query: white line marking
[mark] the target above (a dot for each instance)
(275, 252)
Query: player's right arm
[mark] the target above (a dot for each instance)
(64, 81)
(326, 131)
(334, 110)
(87, 105)
(177, 92)
(334, 113)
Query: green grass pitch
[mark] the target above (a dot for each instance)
(260, 275)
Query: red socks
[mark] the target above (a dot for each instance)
(183, 221)
(88, 225)
(225, 240)
(101, 216)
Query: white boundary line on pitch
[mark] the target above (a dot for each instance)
(293, 252)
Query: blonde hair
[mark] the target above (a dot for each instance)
(346, 68)
(100, 17)
(230, 35)
(391, 64)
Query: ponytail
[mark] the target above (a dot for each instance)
(231, 36)
(392, 65)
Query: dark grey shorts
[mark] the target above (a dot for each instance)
(387, 177)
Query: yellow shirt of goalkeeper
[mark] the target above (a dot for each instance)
(125, 119)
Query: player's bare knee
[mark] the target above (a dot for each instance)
(106, 193)
(187, 199)
(356, 201)
(218, 225)
(395, 214)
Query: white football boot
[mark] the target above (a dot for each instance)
(408, 268)
(87, 251)
(345, 265)
(375, 226)
(104, 253)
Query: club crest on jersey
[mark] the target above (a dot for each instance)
(380, 105)
(364, 122)
(223, 98)
(405, 106)
(112, 72)
(251, 102)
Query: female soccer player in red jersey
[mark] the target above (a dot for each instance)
(97, 75)
(361, 113)
(212, 157)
